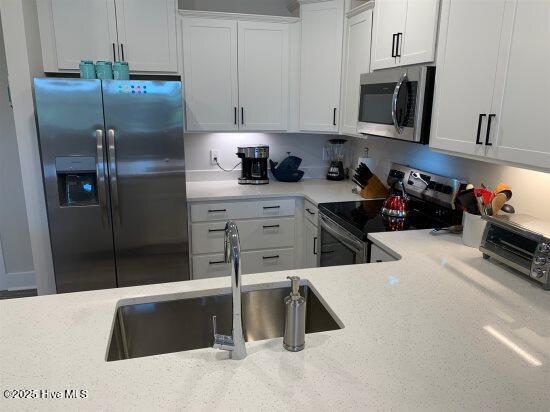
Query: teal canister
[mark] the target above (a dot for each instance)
(104, 70)
(87, 69)
(121, 71)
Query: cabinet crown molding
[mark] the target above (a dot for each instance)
(360, 9)
(237, 16)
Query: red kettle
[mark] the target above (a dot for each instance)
(397, 203)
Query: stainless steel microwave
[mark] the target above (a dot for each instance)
(397, 103)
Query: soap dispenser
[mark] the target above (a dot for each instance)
(295, 318)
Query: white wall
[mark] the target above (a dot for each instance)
(531, 189)
(24, 60)
(14, 229)
(266, 7)
(309, 147)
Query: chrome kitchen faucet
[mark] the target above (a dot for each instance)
(232, 254)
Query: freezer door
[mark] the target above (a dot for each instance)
(72, 144)
(144, 125)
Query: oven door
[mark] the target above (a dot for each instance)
(388, 105)
(338, 246)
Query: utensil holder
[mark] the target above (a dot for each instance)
(473, 230)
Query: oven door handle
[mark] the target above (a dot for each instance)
(333, 228)
(395, 96)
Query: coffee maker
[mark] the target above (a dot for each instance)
(254, 164)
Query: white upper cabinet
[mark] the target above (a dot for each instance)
(388, 22)
(73, 30)
(466, 67)
(147, 34)
(263, 75)
(142, 32)
(210, 74)
(321, 62)
(357, 41)
(492, 81)
(404, 32)
(519, 131)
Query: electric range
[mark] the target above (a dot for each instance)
(345, 226)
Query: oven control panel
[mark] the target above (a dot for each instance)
(541, 262)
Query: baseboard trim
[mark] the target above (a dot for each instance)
(20, 281)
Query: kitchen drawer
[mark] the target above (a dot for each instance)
(253, 234)
(268, 260)
(378, 255)
(210, 266)
(204, 212)
(311, 213)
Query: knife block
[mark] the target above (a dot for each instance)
(375, 189)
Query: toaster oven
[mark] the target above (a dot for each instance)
(521, 242)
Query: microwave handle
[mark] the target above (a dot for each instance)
(402, 80)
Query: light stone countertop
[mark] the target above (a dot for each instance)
(315, 190)
(440, 329)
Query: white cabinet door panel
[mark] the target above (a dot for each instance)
(356, 62)
(466, 67)
(268, 260)
(418, 41)
(263, 75)
(210, 74)
(311, 245)
(388, 20)
(82, 30)
(321, 63)
(147, 34)
(519, 131)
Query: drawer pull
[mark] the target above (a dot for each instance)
(216, 210)
(270, 226)
(310, 212)
(216, 262)
(272, 207)
(270, 257)
(216, 230)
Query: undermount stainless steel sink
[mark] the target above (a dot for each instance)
(147, 329)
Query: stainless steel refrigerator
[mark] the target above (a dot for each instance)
(114, 178)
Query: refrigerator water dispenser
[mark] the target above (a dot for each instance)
(76, 180)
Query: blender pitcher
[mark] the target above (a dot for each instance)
(336, 151)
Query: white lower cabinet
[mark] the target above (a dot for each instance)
(378, 255)
(311, 245)
(267, 234)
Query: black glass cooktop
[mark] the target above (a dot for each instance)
(364, 217)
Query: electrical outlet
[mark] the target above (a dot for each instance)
(214, 157)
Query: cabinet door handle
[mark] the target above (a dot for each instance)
(235, 114)
(397, 51)
(216, 230)
(272, 207)
(216, 262)
(122, 51)
(270, 257)
(270, 226)
(310, 212)
(393, 45)
(242, 115)
(114, 52)
(315, 245)
(334, 117)
(216, 210)
(488, 135)
(481, 116)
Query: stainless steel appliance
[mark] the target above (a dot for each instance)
(397, 103)
(114, 178)
(254, 164)
(344, 226)
(521, 242)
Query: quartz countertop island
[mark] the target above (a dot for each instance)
(439, 329)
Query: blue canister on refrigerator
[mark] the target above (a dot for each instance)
(104, 70)
(87, 69)
(121, 71)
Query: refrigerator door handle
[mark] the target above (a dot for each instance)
(101, 187)
(113, 174)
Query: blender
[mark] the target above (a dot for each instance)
(336, 151)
